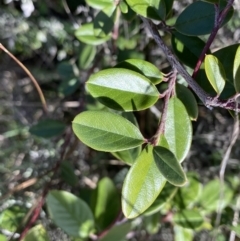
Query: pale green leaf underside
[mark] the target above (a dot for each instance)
(142, 184)
(215, 73)
(106, 131)
(169, 166)
(122, 89)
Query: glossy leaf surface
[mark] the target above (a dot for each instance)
(169, 166)
(37, 233)
(47, 128)
(198, 19)
(215, 73)
(188, 219)
(143, 67)
(187, 98)
(122, 89)
(142, 184)
(86, 35)
(236, 70)
(70, 213)
(178, 129)
(155, 9)
(106, 203)
(106, 131)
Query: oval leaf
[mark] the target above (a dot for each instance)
(47, 128)
(178, 130)
(122, 89)
(236, 70)
(143, 67)
(37, 233)
(188, 219)
(106, 131)
(188, 99)
(86, 35)
(70, 213)
(87, 55)
(169, 166)
(142, 184)
(198, 19)
(215, 73)
(155, 9)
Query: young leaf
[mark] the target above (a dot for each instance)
(106, 131)
(236, 70)
(106, 203)
(155, 9)
(70, 213)
(142, 184)
(198, 19)
(215, 73)
(37, 233)
(123, 7)
(183, 234)
(47, 128)
(122, 89)
(86, 35)
(188, 219)
(178, 129)
(143, 67)
(169, 166)
(188, 99)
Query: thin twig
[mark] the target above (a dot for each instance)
(219, 18)
(30, 76)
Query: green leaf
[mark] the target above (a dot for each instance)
(123, 7)
(183, 234)
(104, 21)
(86, 35)
(143, 67)
(65, 70)
(142, 184)
(117, 232)
(169, 166)
(67, 173)
(106, 203)
(236, 229)
(48, 128)
(152, 223)
(87, 55)
(37, 233)
(236, 70)
(215, 73)
(99, 4)
(188, 99)
(69, 86)
(187, 48)
(210, 198)
(155, 9)
(106, 131)
(178, 129)
(70, 213)
(122, 89)
(198, 19)
(188, 219)
(168, 4)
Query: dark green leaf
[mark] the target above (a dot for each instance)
(87, 55)
(188, 99)
(65, 70)
(70, 213)
(188, 219)
(168, 4)
(106, 131)
(47, 128)
(143, 67)
(122, 89)
(86, 35)
(106, 203)
(67, 173)
(187, 48)
(236, 70)
(155, 9)
(142, 185)
(37, 233)
(69, 86)
(198, 19)
(215, 73)
(169, 166)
